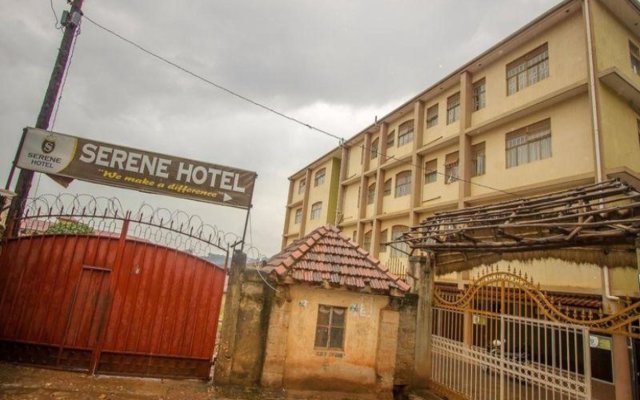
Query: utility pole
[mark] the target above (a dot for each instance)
(71, 22)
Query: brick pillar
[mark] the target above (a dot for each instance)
(387, 348)
(621, 367)
(464, 143)
(276, 348)
(244, 327)
(406, 352)
(423, 266)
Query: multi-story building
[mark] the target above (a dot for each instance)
(552, 106)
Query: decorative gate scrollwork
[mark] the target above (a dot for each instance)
(520, 287)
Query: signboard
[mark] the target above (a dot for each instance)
(109, 164)
(600, 342)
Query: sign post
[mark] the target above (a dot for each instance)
(72, 157)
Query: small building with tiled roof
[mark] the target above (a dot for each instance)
(333, 324)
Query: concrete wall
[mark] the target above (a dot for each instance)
(244, 328)
(405, 357)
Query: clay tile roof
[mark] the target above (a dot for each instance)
(324, 256)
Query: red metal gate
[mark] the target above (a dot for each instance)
(98, 293)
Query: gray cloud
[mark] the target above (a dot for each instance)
(333, 64)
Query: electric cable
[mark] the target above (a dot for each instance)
(58, 25)
(210, 82)
(341, 140)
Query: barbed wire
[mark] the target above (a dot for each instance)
(105, 216)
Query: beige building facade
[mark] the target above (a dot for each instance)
(553, 106)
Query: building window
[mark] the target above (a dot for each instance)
(451, 168)
(391, 139)
(529, 144)
(366, 243)
(477, 159)
(383, 240)
(319, 178)
(405, 133)
(302, 185)
(635, 58)
(403, 183)
(387, 188)
(316, 210)
(330, 327)
(479, 95)
(374, 149)
(528, 70)
(453, 108)
(432, 116)
(431, 171)
(400, 249)
(298, 216)
(371, 193)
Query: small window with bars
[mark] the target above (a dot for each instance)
(405, 133)
(298, 217)
(387, 188)
(383, 241)
(330, 327)
(391, 138)
(316, 210)
(479, 95)
(478, 159)
(528, 70)
(451, 168)
(399, 249)
(403, 183)
(432, 116)
(529, 144)
(431, 171)
(302, 185)
(366, 243)
(319, 178)
(634, 52)
(374, 148)
(371, 193)
(453, 108)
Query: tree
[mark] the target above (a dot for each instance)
(69, 227)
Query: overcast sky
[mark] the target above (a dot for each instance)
(333, 64)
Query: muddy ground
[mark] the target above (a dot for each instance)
(20, 382)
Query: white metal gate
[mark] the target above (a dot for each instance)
(498, 340)
(525, 359)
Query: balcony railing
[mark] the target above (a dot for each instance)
(398, 266)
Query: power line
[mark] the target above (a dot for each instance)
(202, 78)
(58, 25)
(341, 140)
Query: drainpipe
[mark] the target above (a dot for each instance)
(607, 285)
(592, 91)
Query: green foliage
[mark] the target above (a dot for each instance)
(72, 227)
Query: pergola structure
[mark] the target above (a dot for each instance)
(594, 223)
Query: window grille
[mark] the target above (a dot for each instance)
(529, 144)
